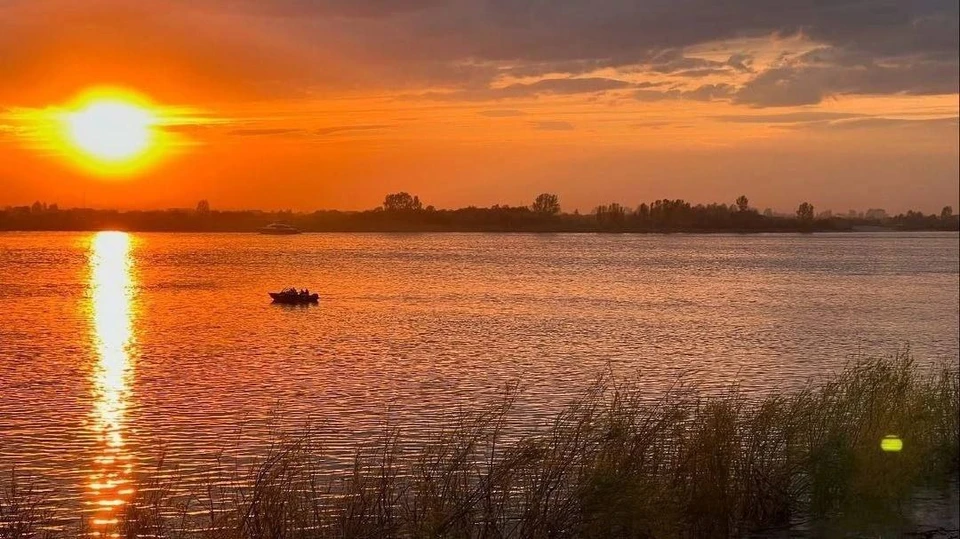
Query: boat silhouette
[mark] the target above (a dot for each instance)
(279, 229)
(290, 296)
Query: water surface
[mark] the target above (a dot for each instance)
(112, 344)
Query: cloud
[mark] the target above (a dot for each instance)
(501, 113)
(552, 125)
(297, 48)
(872, 123)
(559, 87)
(264, 132)
(673, 61)
(704, 72)
(326, 131)
(616, 30)
(652, 125)
(706, 92)
(740, 62)
(319, 132)
(810, 83)
(786, 118)
(568, 86)
(710, 92)
(563, 86)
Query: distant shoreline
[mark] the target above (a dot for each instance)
(404, 213)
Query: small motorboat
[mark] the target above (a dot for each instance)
(279, 229)
(292, 296)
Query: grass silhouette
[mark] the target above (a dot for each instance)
(612, 464)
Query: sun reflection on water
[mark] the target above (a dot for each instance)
(111, 292)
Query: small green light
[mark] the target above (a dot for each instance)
(891, 443)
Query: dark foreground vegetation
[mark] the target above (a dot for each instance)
(613, 464)
(403, 212)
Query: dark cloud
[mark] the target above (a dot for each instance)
(740, 62)
(287, 46)
(710, 92)
(673, 61)
(705, 72)
(578, 36)
(648, 84)
(869, 46)
(553, 125)
(779, 88)
(657, 95)
(706, 92)
(808, 84)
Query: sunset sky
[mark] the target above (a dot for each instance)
(308, 104)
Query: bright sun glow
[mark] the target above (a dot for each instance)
(111, 130)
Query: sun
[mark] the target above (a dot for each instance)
(111, 130)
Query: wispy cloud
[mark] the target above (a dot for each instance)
(501, 113)
(553, 125)
(333, 130)
(706, 92)
(882, 123)
(265, 132)
(786, 118)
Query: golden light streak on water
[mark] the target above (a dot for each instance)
(111, 293)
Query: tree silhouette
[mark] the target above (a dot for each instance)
(547, 204)
(402, 201)
(403, 212)
(743, 204)
(805, 212)
(611, 216)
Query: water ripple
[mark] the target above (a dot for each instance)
(411, 328)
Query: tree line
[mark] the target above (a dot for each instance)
(405, 212)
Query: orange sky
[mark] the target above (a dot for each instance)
(308, 104)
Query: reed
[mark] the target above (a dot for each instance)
(611, 464)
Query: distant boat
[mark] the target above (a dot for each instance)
(279, 229)
(290, 296)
